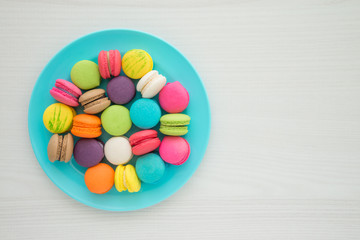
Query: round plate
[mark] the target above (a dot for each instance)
(169, 62)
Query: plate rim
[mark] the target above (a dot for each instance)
(104, 207)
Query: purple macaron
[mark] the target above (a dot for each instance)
(120, 90)
(88, 151)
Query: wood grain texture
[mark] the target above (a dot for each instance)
(283, 78)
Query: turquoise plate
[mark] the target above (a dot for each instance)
(169, 62)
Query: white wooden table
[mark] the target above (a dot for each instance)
(283, 78)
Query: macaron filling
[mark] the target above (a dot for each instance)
(93, 101)
(174, 128)
(108, 61)
(160, 77)
(124, 178)
(59, 148)
(140, 141)
(63, 149)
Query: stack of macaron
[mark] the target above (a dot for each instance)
(104, 110)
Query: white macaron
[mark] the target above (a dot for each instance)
(118, 150)
(151, 84)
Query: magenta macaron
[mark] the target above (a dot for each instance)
(174, 150)
(66, 92)
(109, 63)
(144, 142)
(174, 98)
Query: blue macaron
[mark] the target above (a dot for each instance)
(150, 168)
(145, 113)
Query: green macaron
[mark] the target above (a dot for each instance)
(174, 124)
(85, 74)
(116, 120)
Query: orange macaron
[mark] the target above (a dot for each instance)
(99, 178)
(86, 126)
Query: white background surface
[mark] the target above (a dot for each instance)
(283, 78)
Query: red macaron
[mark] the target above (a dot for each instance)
(144, 142)
(109, 63)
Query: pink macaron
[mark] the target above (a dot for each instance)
(66, 92)
(174, 98)
(174, 150)
(109, 63)
(144, 142)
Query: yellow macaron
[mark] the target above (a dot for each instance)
(136, 63)
(58, 117)
(126, 179)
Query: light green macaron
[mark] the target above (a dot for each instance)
(174, 124)
(85, 74)
(116, 120)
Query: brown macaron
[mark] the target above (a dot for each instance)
(60, 148)
(94, 101)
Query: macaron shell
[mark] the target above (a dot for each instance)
(145, 113)
(86, 126)
(98, 106)
(91, 95)
(85, 74)
(116, 120)
(58, 117)
(142, 135)
(150, 168)
(146, 79)
(120, 90)
(174, 98)
(115, 62)
(119, 178)
(173, 130)
(68, 86)
(174, 124)
(174, 150)
(132, 181)
(88, 152)
(136, 63)
(85, 132)
(103, 65)
(99, 179)
(52, 148)
(86, 120)
(68, 147)
(146, 146)
(118, 150)
(175, 119)
(153, 87)
(64, 97)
